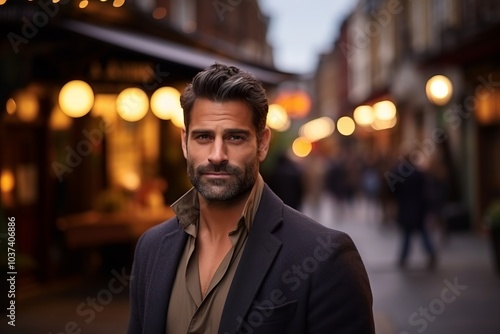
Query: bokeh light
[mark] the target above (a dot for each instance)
(384, 110)
(132, 104)
(26, 106)
(7, 181)
(317, 129)
(76, 98)
(165, 102)
(363, 115)
(346, 125)
(439, 90)
(301, 147)
(277, 118)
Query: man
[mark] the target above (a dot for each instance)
(236, 259)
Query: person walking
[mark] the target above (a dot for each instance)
(412, 203)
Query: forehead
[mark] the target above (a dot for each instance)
(229, 114)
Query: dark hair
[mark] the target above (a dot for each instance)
(222, 83)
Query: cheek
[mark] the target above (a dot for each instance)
(242, 155)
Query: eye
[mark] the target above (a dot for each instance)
(235, 138)
(203, 137)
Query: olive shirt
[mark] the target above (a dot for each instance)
(189, 311)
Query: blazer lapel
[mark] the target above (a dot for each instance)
(259, 253)
(162, 279)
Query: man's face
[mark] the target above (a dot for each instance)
(221, 149)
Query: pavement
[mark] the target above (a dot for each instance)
(461, 295)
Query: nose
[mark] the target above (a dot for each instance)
(218, 153)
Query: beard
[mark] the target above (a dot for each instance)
(240, 182)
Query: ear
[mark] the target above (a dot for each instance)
(184, 142)
(264, 144)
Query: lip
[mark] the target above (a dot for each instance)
(217, 174)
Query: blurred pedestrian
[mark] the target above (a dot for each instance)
(342, 181)
(286, 181)
(412, 202)
(437, 194)
(371, 188)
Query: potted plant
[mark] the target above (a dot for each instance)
(492, 219)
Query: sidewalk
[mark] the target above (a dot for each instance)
(462, 295)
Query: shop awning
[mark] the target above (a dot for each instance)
(166, 50)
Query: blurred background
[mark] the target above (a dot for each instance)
(364, 95)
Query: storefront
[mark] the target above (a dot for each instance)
(103, 164)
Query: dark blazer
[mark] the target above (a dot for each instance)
(294, 276)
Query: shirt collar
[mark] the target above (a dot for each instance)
(187, 207)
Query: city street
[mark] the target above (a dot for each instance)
(462, 295)
(367, 105)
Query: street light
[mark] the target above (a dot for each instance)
(384, 110)
(363, 115)
(346, 126)
(165, 102)
(301, 147)
(277, 118)
(76, 98)
(317, 129)
(132, 104)
(439, 90)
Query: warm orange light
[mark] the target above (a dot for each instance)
(129, 180)
(317, 129)
(76, 98)
(105, 107)
(7, 181)
(296, 103)
(363, 115)
(345, 125)
(59, 120)
(178, 119)
(132, 104)
(11, 106)
(384, 110)
(379, 124)
(27, 106)
(439, 90)
(301, 147)
(277, 118)
(165, 102)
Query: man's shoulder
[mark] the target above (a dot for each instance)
(298, 225)
(157, 232)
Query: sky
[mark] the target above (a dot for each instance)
(302, 29)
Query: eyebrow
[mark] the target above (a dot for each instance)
(226, 131)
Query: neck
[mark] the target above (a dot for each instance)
(219, 218)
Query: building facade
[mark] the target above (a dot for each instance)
(392, 49)
(81, 184)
